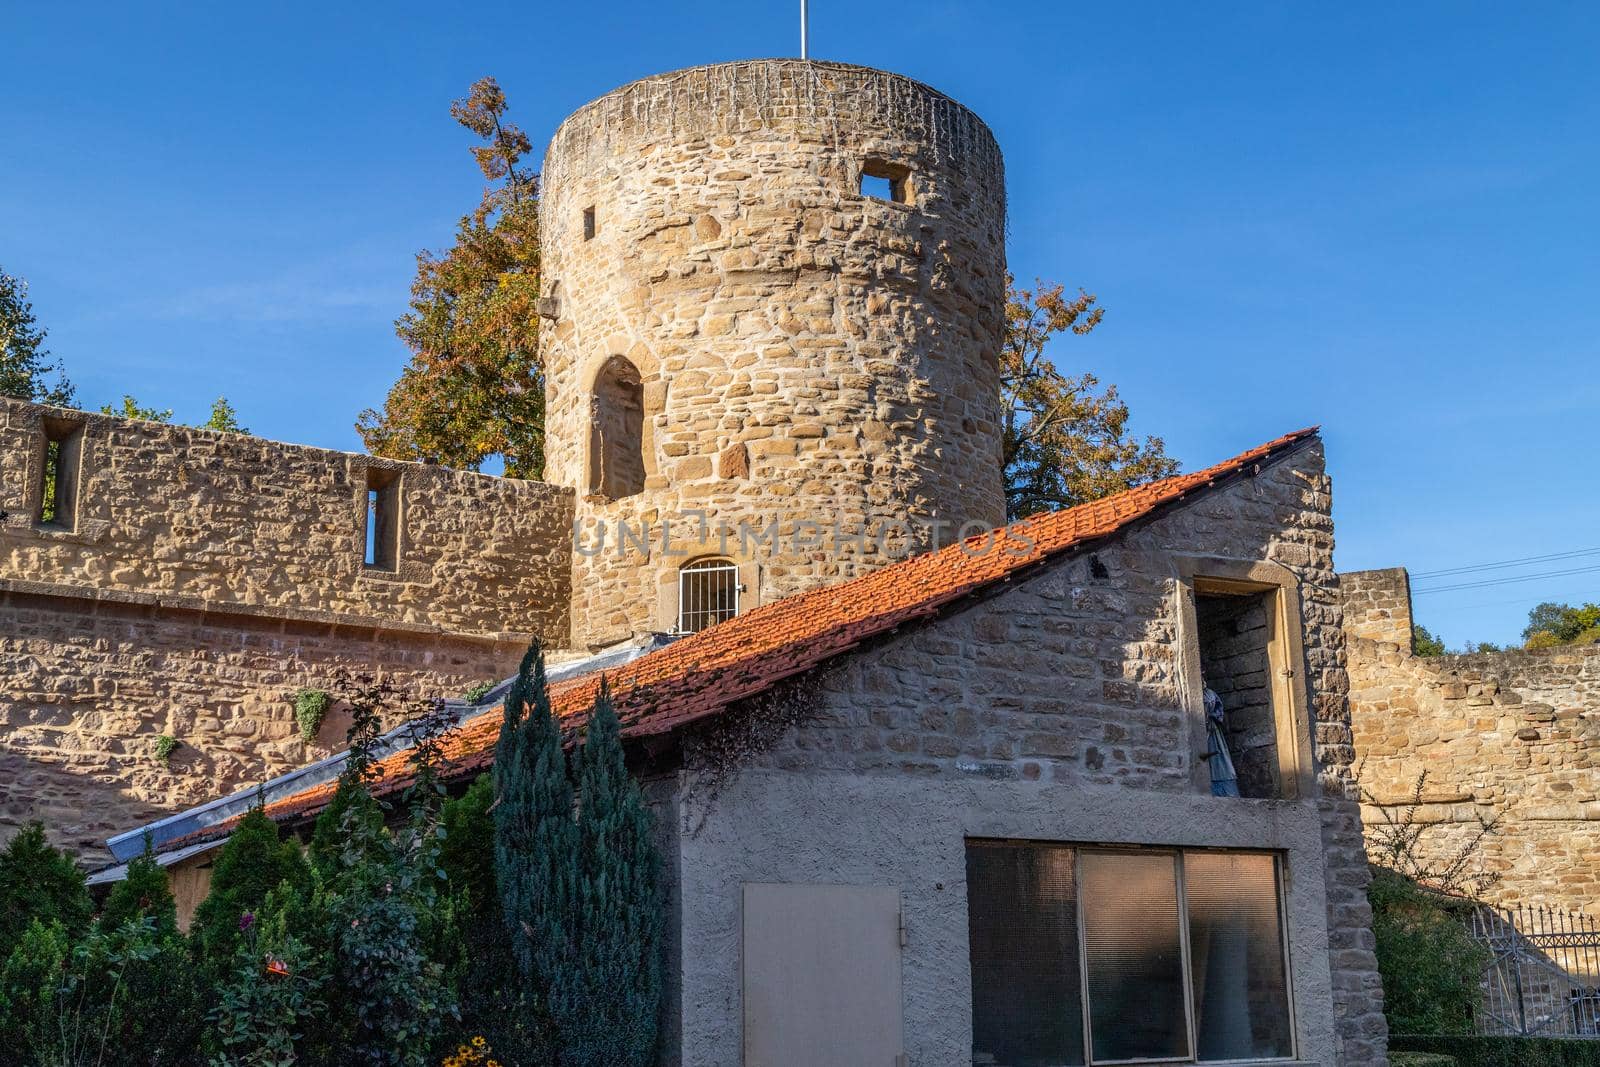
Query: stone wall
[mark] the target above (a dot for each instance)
(807, 354)
(1060, 708)
(205, 577)
(1512, 737)
(210, 519)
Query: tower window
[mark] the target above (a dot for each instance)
(382, 519)
(882, 180)
(616, 442)
(58, 475)
(589, 229)
(708, 593)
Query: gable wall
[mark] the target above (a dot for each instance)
(1053, 711)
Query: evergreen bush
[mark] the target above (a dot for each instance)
(38, 881)
(1480, 1051)
(618, 966)
(253, 863)
(144, 892)
(1430, 964)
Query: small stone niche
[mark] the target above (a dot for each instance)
(883, 180)
(1236, 632)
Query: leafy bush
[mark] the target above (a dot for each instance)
(1430, 964)
(144, 893)
(1420, 1059)
(310, 708)
(251, 865)
(39, 882)
(1478, 1051)
(274, 990)
(478, 692)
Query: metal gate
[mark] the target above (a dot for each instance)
(1544, 976)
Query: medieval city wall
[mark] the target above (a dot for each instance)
(803, 353)
(203, 578)
(1508, 737)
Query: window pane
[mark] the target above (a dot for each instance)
(1135, 960)
(1022, 919)
(1241, 994)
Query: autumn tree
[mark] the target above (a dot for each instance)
(473, 388)
(1065, 438)
(24, 361)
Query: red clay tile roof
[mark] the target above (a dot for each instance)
(700, 675)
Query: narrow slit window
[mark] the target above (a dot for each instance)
(1085, 956)
(58, 475)
(616, 443)
(382, 519)
(1236, 634)
(589, 229)
(882, 180)
(708, 593)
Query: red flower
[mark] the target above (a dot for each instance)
(277, 968)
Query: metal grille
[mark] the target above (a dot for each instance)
(708, 593)
(1544, 975)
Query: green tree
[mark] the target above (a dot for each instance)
(619, 904)
(132, 409)
(1552, 624)
(1424, 643)
(1430, 964)
(253, 863)
(224, 418)
(535, 843)
(144, 893)
(24, 361)
(473, 388)
(1065, 441)
(39, 882)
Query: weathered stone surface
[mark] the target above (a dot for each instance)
(1485, 728)
(762, 298)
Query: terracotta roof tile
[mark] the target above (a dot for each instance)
(702, 674)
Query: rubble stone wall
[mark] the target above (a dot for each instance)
(1511, 738)
(807, 354)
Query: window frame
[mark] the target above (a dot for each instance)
(1291, 698)
(382, 510)
(68, 436)
(1180, 883)
(708, 565)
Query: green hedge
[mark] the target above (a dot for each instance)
(1505, 1051)
(1420, 1059)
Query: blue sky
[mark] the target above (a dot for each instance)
(1377, 217)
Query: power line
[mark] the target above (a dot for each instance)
(1509, 563)
(1506, 581)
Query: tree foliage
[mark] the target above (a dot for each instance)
(1552, 624)
(1065, 439)
(144, 893)
(39, 882)
(618, 907)
(25, 363)
(473, 388)
(253, 863)
(1424, 643)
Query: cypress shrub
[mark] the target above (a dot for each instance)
(618, 972)
(253, 863)
(144, 893)
(535, 846)
(39, 882)
(1429, 961)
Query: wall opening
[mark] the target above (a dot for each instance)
(708, 593)
(589, 229)
(616, 442)
(1110, 955)
(1236, 633)
(382, 519)
(58, 474)
(883, 180)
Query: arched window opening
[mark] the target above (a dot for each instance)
(708, 593)
(616, 443)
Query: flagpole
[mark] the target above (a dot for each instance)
(804, 44)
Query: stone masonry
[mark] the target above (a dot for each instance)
(1027, 715)
(806, 353)
(205, 578)
(1508, 736)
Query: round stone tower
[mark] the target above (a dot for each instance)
(774, 294)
